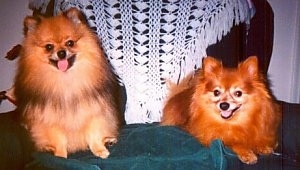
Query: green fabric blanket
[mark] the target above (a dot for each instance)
(150, 146)
(142, 147)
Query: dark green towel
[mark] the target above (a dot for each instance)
(149, 146)
(143, 147)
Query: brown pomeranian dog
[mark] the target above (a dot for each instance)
(230, 104)
(65, 88)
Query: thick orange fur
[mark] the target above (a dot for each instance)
(248, 119)
(71, 110)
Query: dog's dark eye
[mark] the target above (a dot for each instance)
(70, 43)
(217, 93)
(49, 47)
(238, 93)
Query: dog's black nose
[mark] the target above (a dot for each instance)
(224, 106)
(61, 54)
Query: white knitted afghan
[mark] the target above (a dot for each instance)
(154, 41)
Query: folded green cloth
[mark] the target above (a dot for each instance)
(149, 146)
(143, 147)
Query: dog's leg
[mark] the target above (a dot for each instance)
(50, 139)
(99, 134)
(245, 155)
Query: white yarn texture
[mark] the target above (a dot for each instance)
(154, 41)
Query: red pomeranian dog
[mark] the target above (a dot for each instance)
(230, 104)
(65, 88)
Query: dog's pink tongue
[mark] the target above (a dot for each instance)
(63, 65)
(226, 114)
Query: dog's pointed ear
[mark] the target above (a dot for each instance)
(75, 16)
(250, 66)
(31, 23)
(211, 65)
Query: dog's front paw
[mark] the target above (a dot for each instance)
(100, 148)
(56, 151)
(265, 150)
(61, 153)
(109, 141)
(248, 157)
(100, 151)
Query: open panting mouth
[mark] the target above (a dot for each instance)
(63, 64)
(228, 113)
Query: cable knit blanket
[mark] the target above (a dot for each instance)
(150, 43)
